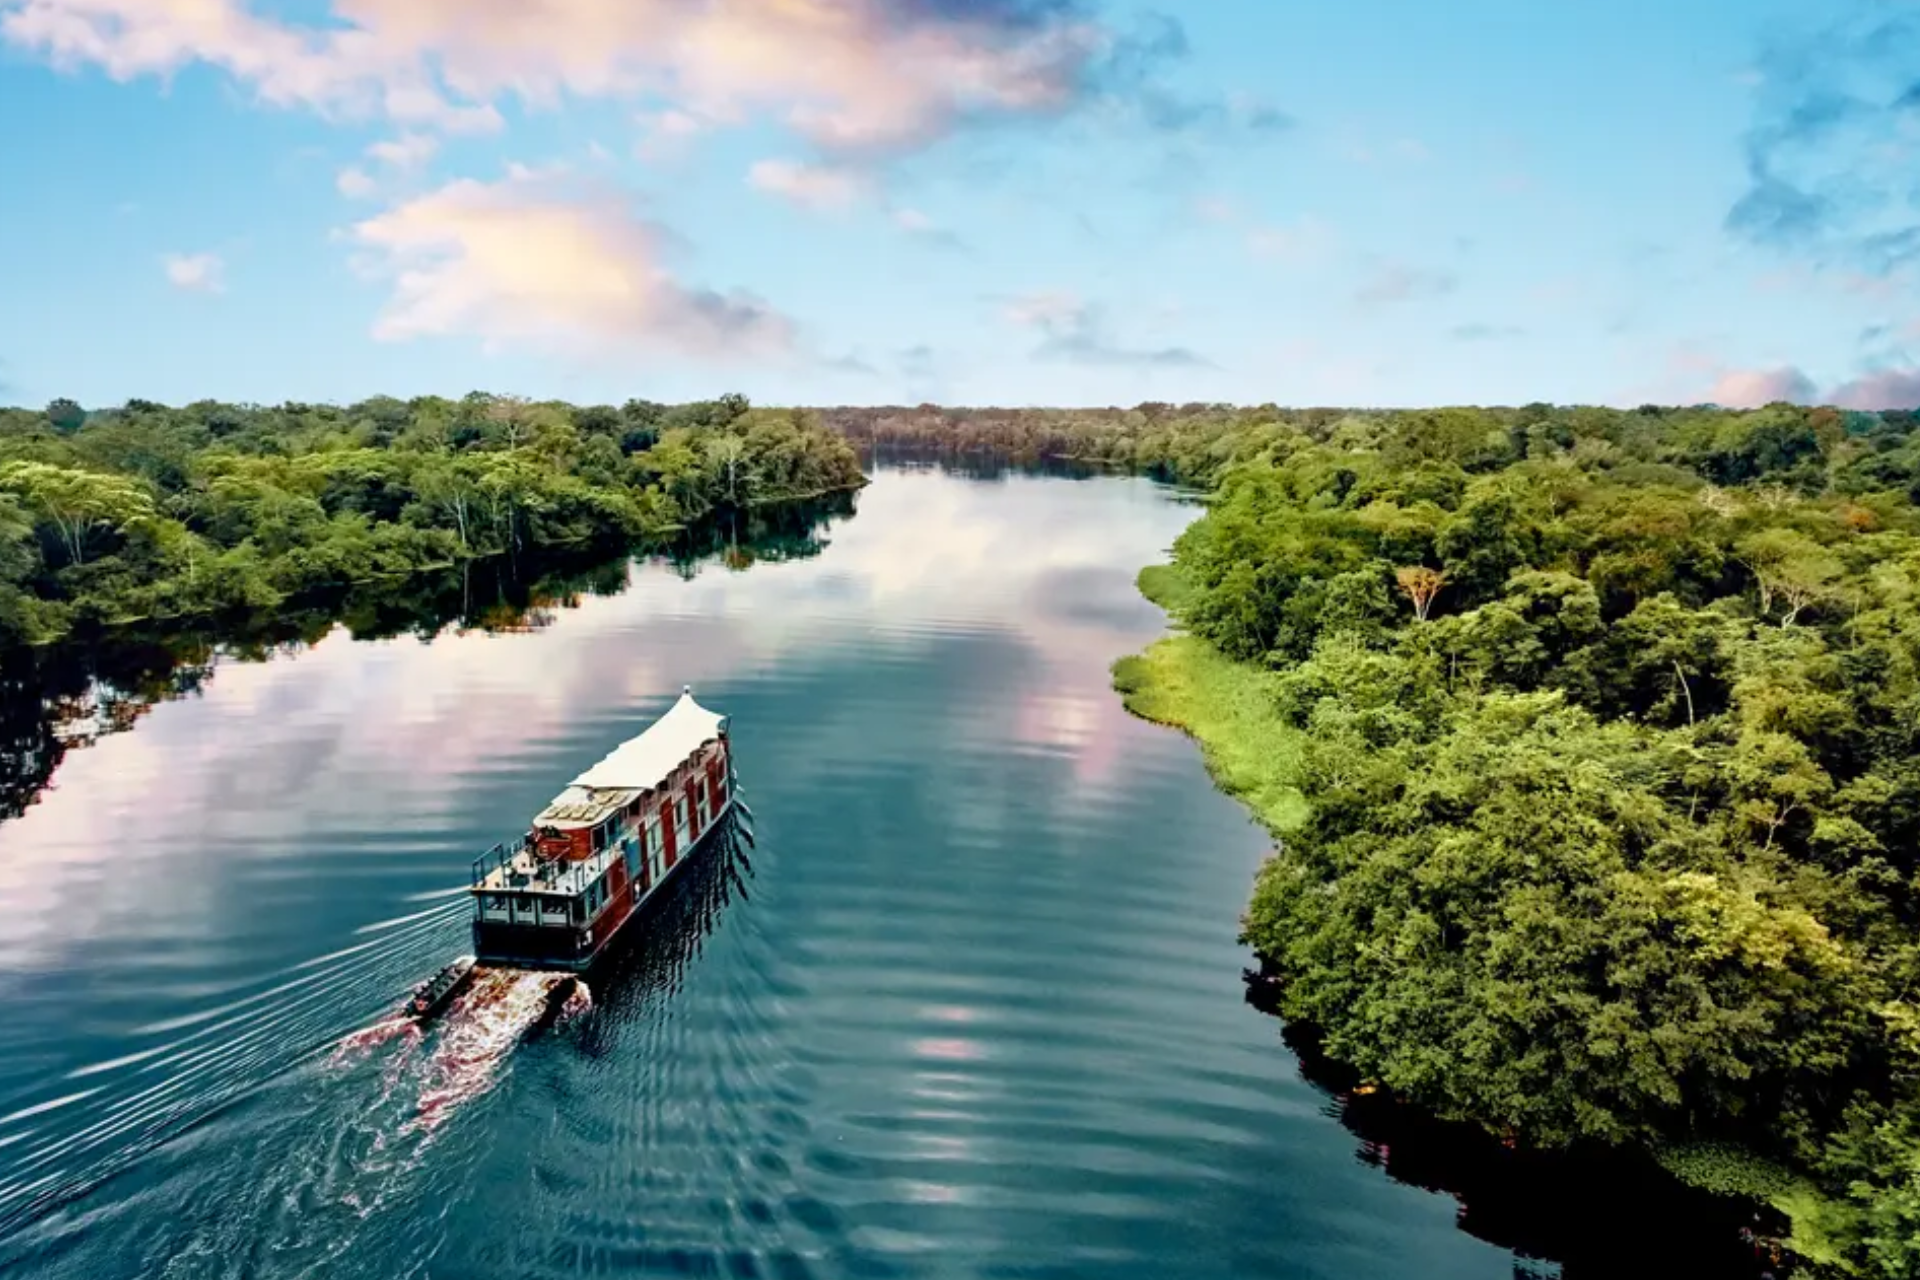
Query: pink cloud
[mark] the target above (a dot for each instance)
(851, 75)
(1872, 392)
(524, 260)
(1751, 388)
(1886, 389)
(811, 186)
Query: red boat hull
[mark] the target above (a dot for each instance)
(528, 946)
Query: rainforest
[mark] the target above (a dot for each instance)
(1591, 744)
(147, 512)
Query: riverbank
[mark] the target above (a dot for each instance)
(1228, 707)
(152, 513)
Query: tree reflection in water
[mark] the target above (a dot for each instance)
(71, 695)
(1587, 1214)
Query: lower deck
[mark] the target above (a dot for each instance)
(545, 930)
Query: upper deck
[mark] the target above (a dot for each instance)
(578, 835)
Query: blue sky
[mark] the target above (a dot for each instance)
(1379, 202)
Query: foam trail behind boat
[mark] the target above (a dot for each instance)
(481, 1027)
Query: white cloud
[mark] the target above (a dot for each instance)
(1404, 150)
(402, 155)
(847, 74)
(927, 231)
(1043, 309)
(353, 70)
(1075, 331)
(665, 134)
(408, 151)
(355, 183)
(1304, 240)
(1216, 209)
(811, 186)
(195, 272)
(523, 261)
(1398, 282)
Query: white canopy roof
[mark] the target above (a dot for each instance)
(640, 763)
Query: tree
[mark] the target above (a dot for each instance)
(512, 416)
(66, 415)
(448, 485)
(1790, 568)
(1421, 585)
(77, 503)
(727, 455)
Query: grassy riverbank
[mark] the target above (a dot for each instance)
(1226, 706)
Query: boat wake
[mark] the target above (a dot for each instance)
(54, 1150)
(364, 1041)
(196, 1064)
(470, 1040)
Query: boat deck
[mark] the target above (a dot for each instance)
(521, 872)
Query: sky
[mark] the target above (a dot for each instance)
(1007, 202)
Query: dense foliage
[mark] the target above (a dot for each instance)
(150, 512)
(1610, 727)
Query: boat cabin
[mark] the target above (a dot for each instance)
(554, 897)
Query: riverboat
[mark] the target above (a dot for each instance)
(555, 897)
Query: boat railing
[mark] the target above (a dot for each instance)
(543, 873)
(499, 856)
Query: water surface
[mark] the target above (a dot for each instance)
(970, 1007)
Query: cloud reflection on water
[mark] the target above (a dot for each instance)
(165, 831)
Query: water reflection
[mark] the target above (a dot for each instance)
(649, 961)
(1594, 1213)
(976, 464)
(72, 695)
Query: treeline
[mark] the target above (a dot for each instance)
(1609, 725)
(1193, 443)
(148, 512)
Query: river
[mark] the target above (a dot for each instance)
(970, 1006)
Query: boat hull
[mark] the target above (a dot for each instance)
(521, 946)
